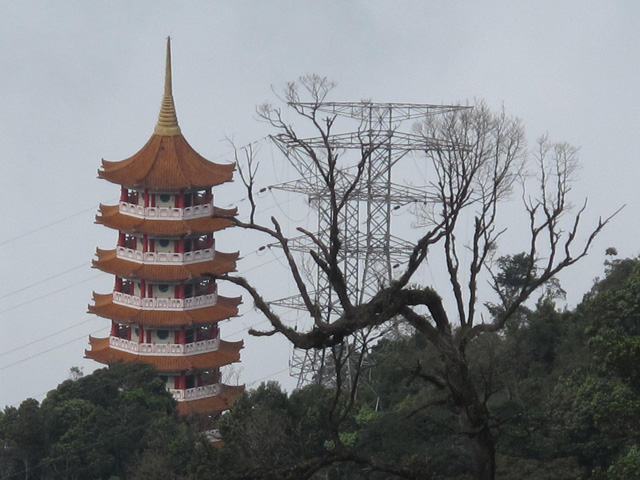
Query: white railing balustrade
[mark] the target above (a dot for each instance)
(195, 393)
(164, 349)
(166, 213)
(200, 301)
(202, 346)
(199, 255)
(163, 213)
(130, 254)
(197, 211)
(165, 258)
(164, 303)
(131, 209)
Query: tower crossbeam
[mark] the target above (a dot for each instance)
(390, 112)
(397, 195)
(376, 139)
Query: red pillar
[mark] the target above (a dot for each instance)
(141, 333)
(114, 329)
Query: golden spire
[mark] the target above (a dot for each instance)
(167, 120)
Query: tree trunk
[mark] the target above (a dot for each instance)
(474, 412)
(484, 455)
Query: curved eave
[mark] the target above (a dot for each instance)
(228, 353)
(224, 309)
(166, 162)
(111, 217)
(218, 403)
(109, 262)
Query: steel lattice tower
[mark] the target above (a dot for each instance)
(368, 250)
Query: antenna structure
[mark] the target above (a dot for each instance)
(368, 249)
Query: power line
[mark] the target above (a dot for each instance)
(50, 349)
(93, 318)
(268, 376)
(38, 229)
(49, 294)
(57, 332)
(83, 264)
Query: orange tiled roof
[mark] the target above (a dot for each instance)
(229, 352)
(212, 404)
(111, 217)
(108, 262)
(165, 163)
(224, 309)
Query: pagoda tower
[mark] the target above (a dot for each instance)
(164, 309)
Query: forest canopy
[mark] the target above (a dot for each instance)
(561, 385)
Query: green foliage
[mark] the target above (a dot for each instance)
(266, 427)
(106, 425)
(515, 468)
(562, 389)
(625, 467)
(595, 400)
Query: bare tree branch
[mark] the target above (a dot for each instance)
(467, 187)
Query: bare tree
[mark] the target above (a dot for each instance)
(468, 184)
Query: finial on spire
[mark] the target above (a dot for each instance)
(167, 120)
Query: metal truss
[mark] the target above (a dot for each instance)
(382, 112)
(368, 250)
(374, 139)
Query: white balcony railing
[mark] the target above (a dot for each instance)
(165, 258)
(195, 393)
(164, 349)
(166, 213)
(165, 303)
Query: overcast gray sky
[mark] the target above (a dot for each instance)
(81, 80)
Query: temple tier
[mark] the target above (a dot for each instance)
(164, 308)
